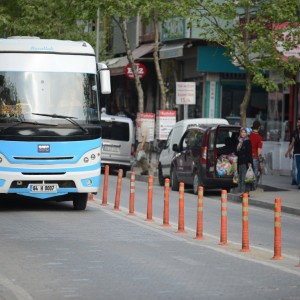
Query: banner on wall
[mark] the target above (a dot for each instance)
(165, 121)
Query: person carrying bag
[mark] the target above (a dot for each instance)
(244, 154)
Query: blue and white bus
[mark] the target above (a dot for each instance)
(50, 133)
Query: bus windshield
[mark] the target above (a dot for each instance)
(63, 93)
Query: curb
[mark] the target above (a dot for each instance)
(263, 204)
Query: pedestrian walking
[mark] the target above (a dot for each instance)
(143, 145)
(244, 154)
(294, 144)
(257, 144)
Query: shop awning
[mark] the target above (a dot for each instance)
(117, 68)
(171, 50)
(213, 60)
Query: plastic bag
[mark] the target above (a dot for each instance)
(224, 167)
(141, 155)
(235, 178)
(250, 176)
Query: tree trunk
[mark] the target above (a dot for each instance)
(246, 100)
(156, 62)
(138, 84)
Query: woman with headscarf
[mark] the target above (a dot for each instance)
(244, 154)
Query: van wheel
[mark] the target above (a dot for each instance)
(174, 181)
(80, 201)
(196, 183)
(161, 179)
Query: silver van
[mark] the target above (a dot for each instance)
(167, 153)
(118, 141)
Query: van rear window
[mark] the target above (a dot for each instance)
(115, 131)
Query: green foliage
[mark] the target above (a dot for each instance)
(246, 29)
(47, 18)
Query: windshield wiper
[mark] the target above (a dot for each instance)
(18, 122)
(68, 118)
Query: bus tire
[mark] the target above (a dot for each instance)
(80, 201)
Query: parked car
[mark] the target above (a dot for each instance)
(166, 147)
(198, 154)
(118, 142)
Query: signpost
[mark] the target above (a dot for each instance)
(186, 95)
(149, 120)
(165, 121)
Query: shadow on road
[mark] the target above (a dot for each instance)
(19, 203)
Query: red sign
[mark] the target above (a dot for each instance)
(141, 70)
(288, 35)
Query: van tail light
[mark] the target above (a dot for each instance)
(204, 155)
(132, 150)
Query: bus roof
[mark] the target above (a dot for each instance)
(34, 45)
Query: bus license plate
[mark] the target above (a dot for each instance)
(43, 188)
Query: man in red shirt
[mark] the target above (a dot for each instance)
(257, 143)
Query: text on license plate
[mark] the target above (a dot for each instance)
(43, 188)
(110, 148)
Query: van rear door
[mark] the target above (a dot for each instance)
(216, 139)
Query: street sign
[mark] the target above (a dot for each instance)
(141, 70)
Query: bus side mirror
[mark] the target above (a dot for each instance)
(104, 78)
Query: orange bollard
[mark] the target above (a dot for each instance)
(105, 186)
(245, 223)
(166, 203)
(199, 231)
(131, 196)
(118, 190)
(181, 209)
(223, 234)
(277, 230)
(150, 193)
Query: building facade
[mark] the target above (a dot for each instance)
(220, 85)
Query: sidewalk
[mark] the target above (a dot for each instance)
(270, 187)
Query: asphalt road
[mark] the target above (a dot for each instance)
(50, 251)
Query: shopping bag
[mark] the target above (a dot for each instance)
(250, 176)
(235, 178)
(141, 155)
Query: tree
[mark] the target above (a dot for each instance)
(154, 11)
(157, 11)
(121, 13)
(60, 19)
(249, 31)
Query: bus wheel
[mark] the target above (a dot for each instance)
(80, 201)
